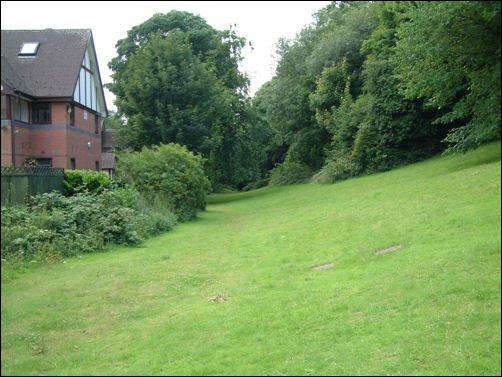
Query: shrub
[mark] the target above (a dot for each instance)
(256, 185)
(155, 216)
(336, 170)
(152, 223)
(56, 226)
(167, 173)
(289, 173)
(77, 181)
(51, 226)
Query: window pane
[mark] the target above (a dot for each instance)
(15, 109)
(41, 113)
(82, 86)
(44, 161)
(4, 107)
(29, 48)
(93, 92)
(25, 113)
(88, 89)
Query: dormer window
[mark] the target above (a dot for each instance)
(29, 49)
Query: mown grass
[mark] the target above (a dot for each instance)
(430, 308)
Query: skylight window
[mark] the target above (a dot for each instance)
(29, 48)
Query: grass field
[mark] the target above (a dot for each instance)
(234, 292)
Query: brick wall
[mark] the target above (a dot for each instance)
(86, 124)
(6, 135)
(58, 113)
(50, 144)
(78, 148)
(21, 144)
(58, 140)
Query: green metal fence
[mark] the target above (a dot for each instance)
(17, 181)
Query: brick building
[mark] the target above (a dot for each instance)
(52, 99)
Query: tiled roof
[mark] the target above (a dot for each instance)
(54, 70)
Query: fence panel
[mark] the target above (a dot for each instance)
(17, 181)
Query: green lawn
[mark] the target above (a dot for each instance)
(431, 307)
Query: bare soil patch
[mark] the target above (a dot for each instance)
(219, 298)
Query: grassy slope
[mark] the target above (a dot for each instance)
(429, 308)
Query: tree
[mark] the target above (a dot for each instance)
(112, 121)
(312, 74)
(222, 48)
(176, 79)
(448, 54)
(373, 85)
(332, 103)
(394, 130)
(171, 96)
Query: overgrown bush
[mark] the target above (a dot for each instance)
(256, 185)
(156, 217)
(336, 170)
(154, 222)
(167, 173)
(53, 226)
(289, 173)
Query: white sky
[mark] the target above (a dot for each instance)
(261, 22)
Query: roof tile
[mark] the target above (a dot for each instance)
(54, 70)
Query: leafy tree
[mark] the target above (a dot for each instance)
(171, 96)
(329, 92)
(221, 48)
(448, 53)
(312, 74)
(341, 29)
(269, 140)
(177, 80)
(112, 121)
(394, 130)
(333, 102)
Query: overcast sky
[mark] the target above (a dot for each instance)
(261, 22)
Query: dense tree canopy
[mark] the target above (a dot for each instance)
(449, 54)
(366, 87)
(177, 80)
(373, 85)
